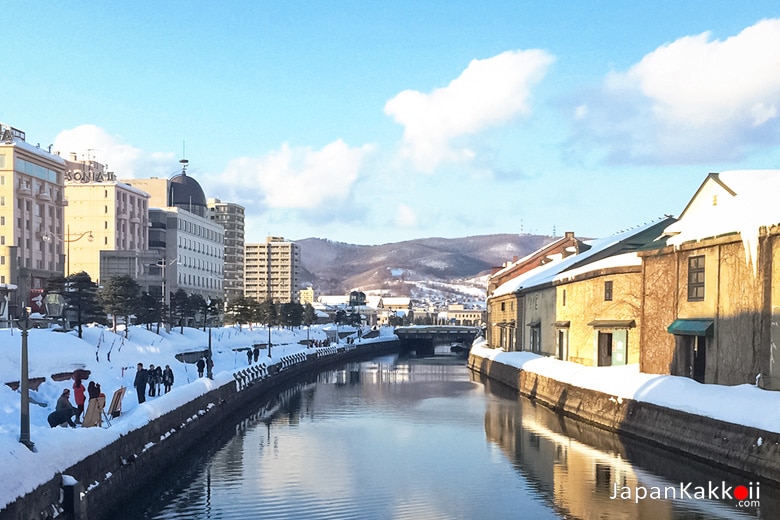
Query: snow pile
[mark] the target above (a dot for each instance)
(747, 405)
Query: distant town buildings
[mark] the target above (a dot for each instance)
(307, 296)
(694, 297)
(272, 270)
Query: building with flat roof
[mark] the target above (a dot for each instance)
(103, 215)
(272, 270)
(31, 208)
(231, 217)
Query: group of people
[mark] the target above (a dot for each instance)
(64, 411)
(152, 377)
(202, 363)
(252, 353)
(319, 343)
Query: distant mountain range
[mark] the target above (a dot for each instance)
(453, 269)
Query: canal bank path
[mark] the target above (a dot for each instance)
(110, 360)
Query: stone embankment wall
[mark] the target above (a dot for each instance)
(748, 451)
(112, 475)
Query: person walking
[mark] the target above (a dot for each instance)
(249, 356)
(167, 378)
(201, 366)
(80, 398)
(141, 379)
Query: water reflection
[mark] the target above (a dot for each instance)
(589, 473)
(408, 438)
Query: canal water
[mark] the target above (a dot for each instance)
(399, 438)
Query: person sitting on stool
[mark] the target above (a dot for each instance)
(63, 412)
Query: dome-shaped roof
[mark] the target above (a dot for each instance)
(185, 192)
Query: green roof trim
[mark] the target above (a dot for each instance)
(692, 327)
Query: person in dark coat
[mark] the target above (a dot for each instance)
(158, 376)
(151, 380)
(201, 366)
(167, 378)
(141, 379)
(93, 390)
(63, 412)
(256, 353)
(249, 356)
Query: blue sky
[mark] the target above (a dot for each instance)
(374, 122)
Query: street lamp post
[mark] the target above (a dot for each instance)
(24, 383)
(48, 237)
(162, 263)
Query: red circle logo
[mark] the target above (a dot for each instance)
(740, 492)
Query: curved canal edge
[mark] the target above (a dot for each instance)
(111, 475)
(719, 443)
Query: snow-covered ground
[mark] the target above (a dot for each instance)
(742, 404)
(111, 360)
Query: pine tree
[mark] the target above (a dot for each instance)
(120, 296)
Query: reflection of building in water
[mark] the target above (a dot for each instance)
(579, 478)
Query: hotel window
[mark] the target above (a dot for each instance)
(696, 278)
(608, 291)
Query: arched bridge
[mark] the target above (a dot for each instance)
(424, 338)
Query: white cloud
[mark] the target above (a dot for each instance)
(488, 93)
(94, 142)
(691, 99)
(405, 216)
(296, 178)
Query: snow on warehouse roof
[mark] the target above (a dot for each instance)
(601, 249)
(518, 282)
(624, 260)
(734, 201)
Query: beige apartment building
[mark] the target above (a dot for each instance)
(272, 270)
(31, 211)
(103, 215)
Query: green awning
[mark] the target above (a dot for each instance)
(691, 327)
